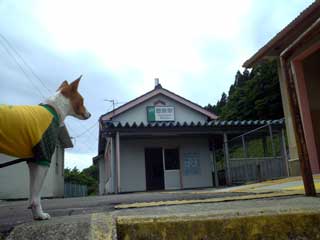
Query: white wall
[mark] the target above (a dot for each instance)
(139, 113)
(132, 167)
(14, 180)
(110, 185)
(102, 175)
(197, 146)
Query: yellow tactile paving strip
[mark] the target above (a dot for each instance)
(209, 200)
(255, 187)
(251, 188)
(301, 187)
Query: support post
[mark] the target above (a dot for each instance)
(306, 171)
(215, 166)
(264, 145)
(272, 143)
(284, 151)
(227, 159)
(118, 161)
(245, 154)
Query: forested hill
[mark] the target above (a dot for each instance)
(254, 95)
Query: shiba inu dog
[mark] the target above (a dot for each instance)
(31, 133)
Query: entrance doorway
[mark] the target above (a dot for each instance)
(162, 169)
(154, 169)
(172, 168)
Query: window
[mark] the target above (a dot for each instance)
(171, 158)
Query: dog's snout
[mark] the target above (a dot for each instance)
(87, 115)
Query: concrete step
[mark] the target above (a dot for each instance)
(77, 227)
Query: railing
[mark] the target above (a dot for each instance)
(256, 155)
(75, 190)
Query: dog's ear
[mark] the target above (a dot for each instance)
(74, 85)
(64, 84)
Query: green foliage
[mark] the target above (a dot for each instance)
(88, 176)
(254, 95)
(257, 146)
(220, 104)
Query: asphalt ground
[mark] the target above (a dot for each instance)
(13, 213)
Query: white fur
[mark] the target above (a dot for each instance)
(37, 175)
(61, 104)
(63, 107)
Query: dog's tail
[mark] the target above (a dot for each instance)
(6, 164)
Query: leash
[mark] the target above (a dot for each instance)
(6, 164)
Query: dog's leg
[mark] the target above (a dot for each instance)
(37, 176)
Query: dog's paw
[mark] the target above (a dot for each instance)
(38, 214)
(42, 216)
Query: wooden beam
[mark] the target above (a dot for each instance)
(287, 67)
(306, 171)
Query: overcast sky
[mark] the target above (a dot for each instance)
(194, 47)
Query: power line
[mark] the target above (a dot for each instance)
(78, 138)
(87, 130)
(18, 60)
(25, 62)
(21, 69)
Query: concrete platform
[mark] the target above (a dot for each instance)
(296, 215)
(152, 215)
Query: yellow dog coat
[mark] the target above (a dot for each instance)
(29, 132)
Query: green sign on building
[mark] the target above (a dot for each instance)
(160, 113)
(151, 116)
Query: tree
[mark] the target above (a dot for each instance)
(216, 109)
(88, 176)
(254, 95)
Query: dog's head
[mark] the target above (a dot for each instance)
(70, 91)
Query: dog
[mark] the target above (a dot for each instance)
(31, 133)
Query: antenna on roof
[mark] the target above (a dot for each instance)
(112, 101)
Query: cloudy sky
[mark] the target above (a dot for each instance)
(195, 47)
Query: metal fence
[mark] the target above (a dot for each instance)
(75, 190)
(256, 155)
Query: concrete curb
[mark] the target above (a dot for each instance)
(78, 227)
(279, 226)
(103, 227)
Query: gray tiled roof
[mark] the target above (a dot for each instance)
(213, 123)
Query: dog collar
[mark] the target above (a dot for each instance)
(52, 111)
